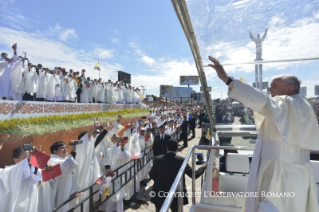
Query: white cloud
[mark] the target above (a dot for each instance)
(148, 61)
(143, 57)
(16, 21)
(115, 40)
(67, 33)
(103, 53)
(64, 34)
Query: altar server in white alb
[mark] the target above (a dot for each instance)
(5, 68)
(287, 131)
(66, 184)
(18, 184)
(118, 157)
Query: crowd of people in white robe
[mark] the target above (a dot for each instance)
(21, 80)
(102, 152)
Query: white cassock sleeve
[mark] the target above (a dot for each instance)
(10, 183)
(16, 74)
(3, 66)
(89, 167)
(293, 115)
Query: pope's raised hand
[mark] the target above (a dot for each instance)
(219, 69)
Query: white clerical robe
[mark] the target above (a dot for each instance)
(65, 184)
(85, 91)
(288, 130)
(58, 88)
(18, 189)
(100, 94)
(118, 158)
(50, 87)
(109, 96)
(89, 168)
(41, 86)
(5, 81)
(30, 81)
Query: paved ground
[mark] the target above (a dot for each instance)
(146, 206)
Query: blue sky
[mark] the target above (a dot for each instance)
(145, 39)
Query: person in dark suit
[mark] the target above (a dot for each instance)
(201, 117)
(164, 172)
(192, 124)
(184, 127)
(160, 142)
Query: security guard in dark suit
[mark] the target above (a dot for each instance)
(164, 172)
(184, 127)
(160, 142)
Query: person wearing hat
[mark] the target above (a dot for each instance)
(164, 172)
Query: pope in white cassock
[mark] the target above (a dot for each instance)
(19, 184)
(287, 131)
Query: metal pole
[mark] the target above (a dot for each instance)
(256, 76)
(261, 76)
(91, 199)
(193, 176)
(134, 181)
(180, 196)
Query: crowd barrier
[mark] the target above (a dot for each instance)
(133, 166)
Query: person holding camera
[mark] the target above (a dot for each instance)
(18, 189)
(66, 184)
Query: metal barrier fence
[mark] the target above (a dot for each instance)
(178, 183)
(136, 165)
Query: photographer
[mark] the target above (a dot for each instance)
(66, 184)
(18, 183)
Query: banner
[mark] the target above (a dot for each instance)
(316, 90)
(209, 89)
(166, 91)
(188, 80)
(303, 92)
(182, 92)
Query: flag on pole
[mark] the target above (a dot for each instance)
(97, 66)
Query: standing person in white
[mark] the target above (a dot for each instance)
(66, 184)
(5, 82)
(287, 131)
(18, 189)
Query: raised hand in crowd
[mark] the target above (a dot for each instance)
(4, 139)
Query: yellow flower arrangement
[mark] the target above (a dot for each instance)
(47, 124)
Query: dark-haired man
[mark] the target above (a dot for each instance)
(66, 184)
(164, 172)
(18, 189)
(160, 142)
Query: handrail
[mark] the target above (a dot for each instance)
(179, 178)
(181, 171)
(148, 155)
